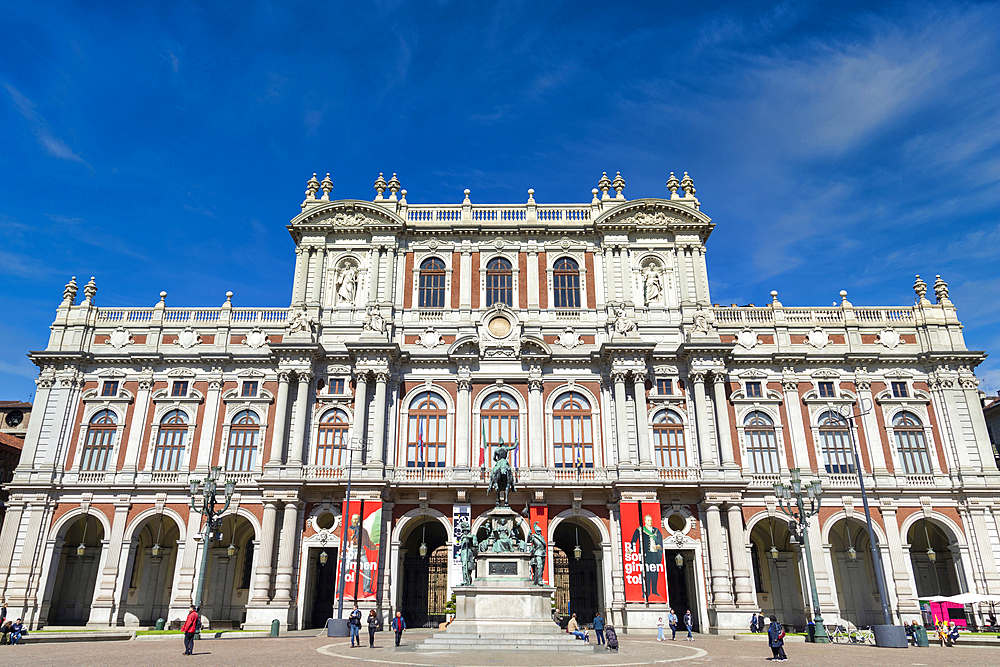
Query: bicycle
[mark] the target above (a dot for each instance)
(863, 636)
(839, 634)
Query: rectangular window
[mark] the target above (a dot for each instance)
(665, 387)
(169, 448)
(837, 454)
(249, 389)
(826, 390)
(180, 388)
(899, 390)
(431, 452)
(669, 445)
(913, 451)
(97, 450)
(337, 386)
(573, 442)
(762, 450)
(241, 455)
(110, 388)
(753, 390)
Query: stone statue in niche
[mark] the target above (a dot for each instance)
(653, 283)
(300, 323)
(347, 283)
(623, 325)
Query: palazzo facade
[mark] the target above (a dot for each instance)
(418, 337)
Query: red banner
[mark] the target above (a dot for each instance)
(642, 553)
(364, 534)
(540, 513)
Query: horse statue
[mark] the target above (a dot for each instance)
(502, 475)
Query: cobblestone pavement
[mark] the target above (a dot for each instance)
(336, 652)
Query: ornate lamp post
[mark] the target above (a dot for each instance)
(792, 500)
(207, 488)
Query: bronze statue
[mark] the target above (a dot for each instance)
(468, 545)
(538, 551)
(502, 475)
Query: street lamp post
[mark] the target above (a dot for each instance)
(207, 488)
(792, 500)
(354, 445)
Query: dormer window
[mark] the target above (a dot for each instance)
(899, 390)
(249, 389)
(179, 389)
(109, 388)
(754, 390)
(826, 390)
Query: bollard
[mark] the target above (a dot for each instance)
(160, 622)
(275, 626)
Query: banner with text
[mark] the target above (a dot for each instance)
(364, 534)
(460, 512)
(642, 552)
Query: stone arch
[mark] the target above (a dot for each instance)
(422, 583)
(72, 581)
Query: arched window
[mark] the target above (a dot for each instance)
(331, 450)
(427, 434)
(911, 444)
(241, 456)
(431, 284)
(499, 424)
(836, 443)
(499, 282)
(566, 283)
(668, 439)
(762, 444)
(170, 441)
(100, 441)
(572, 435)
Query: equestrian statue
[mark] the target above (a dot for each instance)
(502, 475)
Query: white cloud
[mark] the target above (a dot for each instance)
(52, 144)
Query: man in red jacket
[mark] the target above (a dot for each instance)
(189, 628)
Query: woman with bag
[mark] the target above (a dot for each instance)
(372, 627)
(776, 640)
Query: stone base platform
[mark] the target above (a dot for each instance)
(515, 641)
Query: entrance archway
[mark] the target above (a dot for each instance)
(321, 577)
(230, 572)
(681, 592)
(935, 569)
(577, 580)
(79, 561)
(150, 574)
(854, 573)
(776, 571)
(425, 578)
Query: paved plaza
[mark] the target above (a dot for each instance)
(309, 651)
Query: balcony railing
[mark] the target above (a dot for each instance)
(680, 474)
(324, 472)
(186, 316)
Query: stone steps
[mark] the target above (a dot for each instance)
(448, 641)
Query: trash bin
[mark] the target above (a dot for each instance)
(920, 634)
(811, 633)
(160, 623)
(275, 626)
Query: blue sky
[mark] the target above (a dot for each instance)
(164, 146)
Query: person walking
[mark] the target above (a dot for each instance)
(599, 628)
(672, 622)
(689, 622)
(753, 623)
(3, 613)
(398, 625)
(776, 640)
(354, 622)
(659, 630)
(372, 627)
(189, 628)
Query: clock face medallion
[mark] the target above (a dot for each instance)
(14, 418)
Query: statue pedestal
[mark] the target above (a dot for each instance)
(503, 610)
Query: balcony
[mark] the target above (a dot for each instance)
(324, 472)
(680, 474)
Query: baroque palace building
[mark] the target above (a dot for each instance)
(418, 338)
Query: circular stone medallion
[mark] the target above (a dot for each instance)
(498, 327)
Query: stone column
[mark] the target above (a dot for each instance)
(265, 556)
(317, 291)
(977, 511)
(536, 421)
(277, 455)
(700, 273)
(823, 575)
(897, 560)
(378, 426)
(102, 612)
(373, 275)
(796, 427)
(391, 255)
(641, 418)
(536, 283)
(287, 542)
(360, 414)
(609, 273)
(624, 266)
(682, 275)
(182, 595)
(721, 591)
(465, 280)
(301, 417)
(873, 434)
(463, 431)
(738, 551)
(705, 449)
(621, 417)
(137, 426)
(44, 388)
(722, 420)
(206, 444)
(301, 271)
